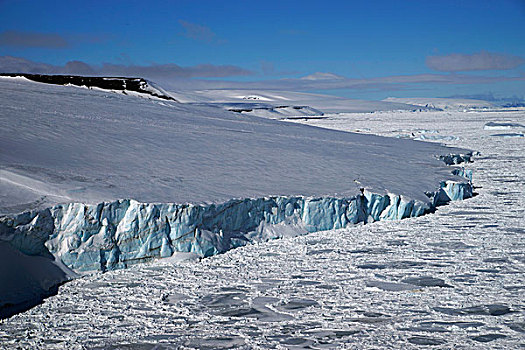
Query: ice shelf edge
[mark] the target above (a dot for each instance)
(113, 235)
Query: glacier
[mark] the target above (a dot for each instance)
(95, 181)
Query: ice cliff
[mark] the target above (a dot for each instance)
(117, 234)
(42, 249)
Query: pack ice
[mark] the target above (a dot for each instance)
(92, 180)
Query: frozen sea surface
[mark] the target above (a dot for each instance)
(453, 279)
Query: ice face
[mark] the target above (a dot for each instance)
(465, 173)
(273, 112)
(117, 234)
(509, 135)
(452, 159)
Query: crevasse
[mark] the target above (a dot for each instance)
(112, 235)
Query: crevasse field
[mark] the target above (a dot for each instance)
(450, 279)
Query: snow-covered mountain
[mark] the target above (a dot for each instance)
(444, 103)
(126, 86)
(323, 103)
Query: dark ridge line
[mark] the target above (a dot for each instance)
(107, 83)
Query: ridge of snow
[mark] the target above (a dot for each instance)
(116, 234)
(443, 103)
(123, 85)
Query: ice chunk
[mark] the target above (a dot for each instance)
(502, 126)
(509, 135)
(451, 159)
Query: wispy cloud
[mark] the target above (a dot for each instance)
(320, 76)
(32, 39)
(330, 81)
(198, 32)
(483, 60)
(11, 64)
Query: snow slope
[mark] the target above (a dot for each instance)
(323, 103)
(122, 85)
(61, 144)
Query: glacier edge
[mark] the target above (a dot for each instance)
(112, 235)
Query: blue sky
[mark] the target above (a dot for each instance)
(438, 48)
